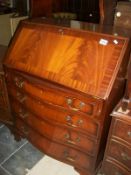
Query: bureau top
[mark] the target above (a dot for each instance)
(83, 60)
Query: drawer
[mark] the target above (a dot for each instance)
(58, 151)
(112, 168)
(49, 93)
(122, 130)
(53, 113)
(60, 134)
(120, 152)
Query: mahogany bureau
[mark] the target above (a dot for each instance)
(117, 158)
(62, 85)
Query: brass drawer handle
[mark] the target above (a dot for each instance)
(78, 139)
(24, 130)
(73, 142)
(70, 105)
(129, 134)
(125, 157)
(82, 104)
(19, 83)
(70, 159)
(72, 125)
(68, 118)
(70, 122)
(80, 122)
(67, 157)
(67, 137)
(23, 114)
(20, 97)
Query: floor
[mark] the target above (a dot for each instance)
(16, 158)
(52, 167)
(22, 158)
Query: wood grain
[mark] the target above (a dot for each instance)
(65, 82)
(76, 60)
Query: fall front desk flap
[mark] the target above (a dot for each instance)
(83, 60)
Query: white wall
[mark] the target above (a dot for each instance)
(5, 29)
(11, 3)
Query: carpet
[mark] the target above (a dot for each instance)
(50, 166)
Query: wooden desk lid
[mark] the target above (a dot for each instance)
(83, 60)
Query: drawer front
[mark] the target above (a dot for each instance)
(58, 151)
(53, 113)
(122, 130)
(120, 152)
(53, 132)
(111, 168)
(65, 99)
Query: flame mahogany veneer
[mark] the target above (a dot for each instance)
(63, 83)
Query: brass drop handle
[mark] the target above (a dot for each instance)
(129, 134)
(82, 104)
(80, 122)
(70, 123)
(20, 97)
(23, 114)
(19, 83)
(73, 142)
(68, 118)
(67, 157)
(69, 103)
(78, 139)
(67, 137)
(25, 130)
(125, 157)
(71, 159)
